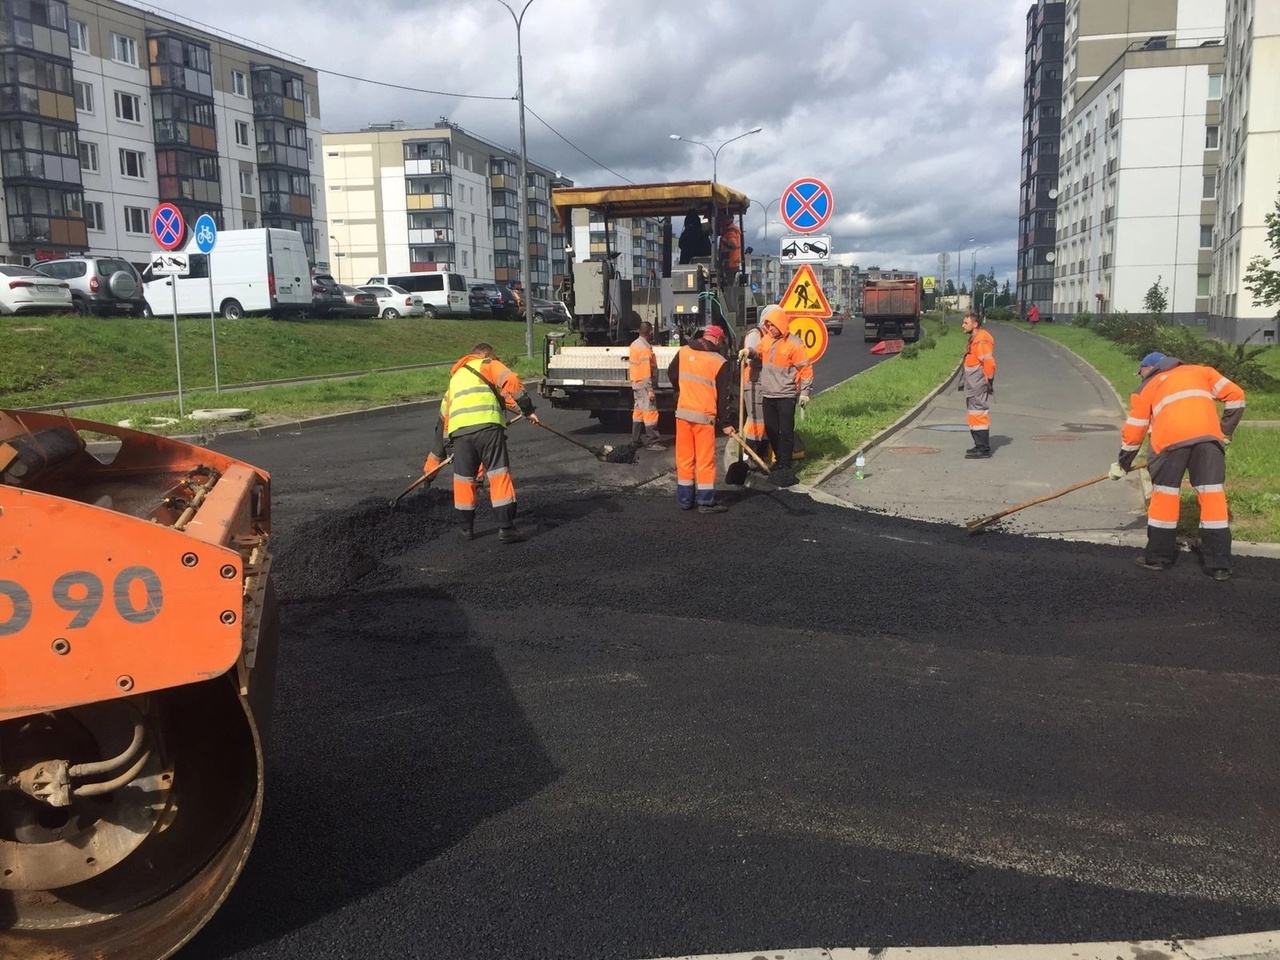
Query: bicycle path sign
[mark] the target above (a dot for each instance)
(806, 205)
(206, 233)
(168, 227)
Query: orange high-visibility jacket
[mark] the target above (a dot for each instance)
(1178, 406)
(785, 370)
(981, 352)
(643, 363)
(698, 381)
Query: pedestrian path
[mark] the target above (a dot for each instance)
(1054, 422)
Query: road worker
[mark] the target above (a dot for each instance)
(753, 394)
(703, 381)
(978, 382)
(1177, 404)
(786, 380)
(644, 383)
(730, 247)
(473, 417)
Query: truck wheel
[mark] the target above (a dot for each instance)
(231, 310)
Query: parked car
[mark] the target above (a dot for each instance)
(479, 303)
(22, 290)
(502, 303)
(361, 304)
(443, 294)
(834, 324)
(327, 298)
(395, 301)
(105, 286)
(550, 311)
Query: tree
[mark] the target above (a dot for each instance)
(951, 289)
(1157, 300)
(1261, 278)
(1006, 296)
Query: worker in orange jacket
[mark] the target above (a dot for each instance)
(643, 365)
(704, 401)
(753, 394)
(786, 381)
(482, 390)
(1178, 404)
(978, 381)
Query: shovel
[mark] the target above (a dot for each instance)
(425, 478)
(751, 453)
(977, 526)
(736, 475)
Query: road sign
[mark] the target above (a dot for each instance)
(811, 332)
(169, 264)
(206, 233)
(168, 227)
(807, 205)
(929, 284)
(805, 249)
(804, 295)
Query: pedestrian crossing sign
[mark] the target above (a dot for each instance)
(804, 295)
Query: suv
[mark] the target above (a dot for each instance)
(327, 298)
(502, 303)
(105, 286)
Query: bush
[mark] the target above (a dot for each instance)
(927, 342)
(1235, 362)
(910, 352)
(1082, 319)
(1123, 328)
(1000, 313)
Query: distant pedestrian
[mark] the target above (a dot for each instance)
(704, 401)
(978, 381)
(1033, 315)
(1177, 404)
(643, 365)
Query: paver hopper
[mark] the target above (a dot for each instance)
(137, 654)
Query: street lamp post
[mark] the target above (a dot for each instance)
(960, 266)
(715, 153)
(337, 255)
(525, 266)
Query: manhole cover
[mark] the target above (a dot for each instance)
(1056, 438)
(948, 427)
(1088, 427)
(917, 451)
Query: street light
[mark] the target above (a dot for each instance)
(960, 266)
(338, 255)
(525, 266)
(715, 153)
(766, 208)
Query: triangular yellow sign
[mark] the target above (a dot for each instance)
(804, 295)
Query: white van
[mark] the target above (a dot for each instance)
(443, 294)
(254, 271)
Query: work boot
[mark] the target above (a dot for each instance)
(982, 445)
(636, 429)
(511, 535)
(1220, 575)
(713, 508)
(1158, 565)
(655, 446)
(466, 533)
(976, 446)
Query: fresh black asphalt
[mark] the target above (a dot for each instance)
(647, 733)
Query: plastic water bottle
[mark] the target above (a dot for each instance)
(859, 466)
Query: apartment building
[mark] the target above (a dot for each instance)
(1041, 133)
(1248, 136)
(442, 198)
(1138, 155)
(637, 241)
(110, 109)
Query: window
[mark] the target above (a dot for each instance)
(1202, 284)
(125, 50)
(128, 107)
(242, 133)
(246, 183)
(1210, 187)
(84, 97)
(250, 224)
(306, 98)
(239, 85)
(311, 150)
(1211, 137)
(133, 163)
(1215, 86)
(88, 157)
(136, 220)
(1206, 236)
(79, 35)
(93, 216)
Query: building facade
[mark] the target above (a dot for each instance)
(638, 241)
(109, 109)
(1249, 171)
(402, 200)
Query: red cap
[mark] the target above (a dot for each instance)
(714, 334)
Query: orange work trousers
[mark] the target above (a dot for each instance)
(695, 464)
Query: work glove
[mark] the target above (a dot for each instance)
(743, 354)
(991, 387)
(1226, 441)
(803, 401)
(1117, 472)
(960, 386)
(533, 418)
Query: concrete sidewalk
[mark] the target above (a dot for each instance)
(1054, 422)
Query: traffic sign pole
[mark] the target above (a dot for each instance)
(177, 352)
(206, 231)
(168, 229)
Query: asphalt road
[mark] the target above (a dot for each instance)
(648, 733)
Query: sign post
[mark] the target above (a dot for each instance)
(169, 229)
(206, 231)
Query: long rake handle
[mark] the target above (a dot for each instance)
(974, 526)
(564, 436)
(421, 480)
(751, 453)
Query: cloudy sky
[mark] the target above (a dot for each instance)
(909, 110)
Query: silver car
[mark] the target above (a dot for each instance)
(395, 301)
(105, 286)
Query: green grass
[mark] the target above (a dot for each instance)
(1253, 459)
(47, 360)
(842, 419)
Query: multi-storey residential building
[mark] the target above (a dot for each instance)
(638, 242)
(1248, 137)
(110, 109)
(437, 198)
(1041, 131)
(1138, 155)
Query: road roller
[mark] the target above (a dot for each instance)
(138, 634)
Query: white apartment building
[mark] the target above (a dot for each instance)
(112, 109)
(1137, 176)
(1249, 135)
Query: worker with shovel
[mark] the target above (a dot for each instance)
(704, 396)
(473, 418)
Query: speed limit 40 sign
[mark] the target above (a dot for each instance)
(812, 333)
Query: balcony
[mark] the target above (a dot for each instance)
(1108, 214)
(429, 201)
(426, 167)
(509, 214)
(1104, 262)
(431, 235)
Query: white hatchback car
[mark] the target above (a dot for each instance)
(23, 290)
(395, 301)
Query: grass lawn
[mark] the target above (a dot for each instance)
(1253, 459)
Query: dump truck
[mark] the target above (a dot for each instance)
(138, 634)
(586, 367)
(891, 310)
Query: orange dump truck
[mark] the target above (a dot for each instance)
(891, 310)
(137, 653)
